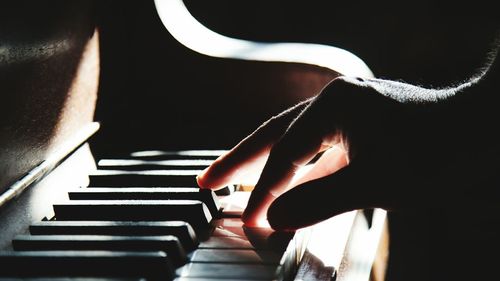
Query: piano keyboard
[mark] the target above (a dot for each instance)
(142, 217)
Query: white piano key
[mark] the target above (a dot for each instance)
(225, 271)
(236, 256)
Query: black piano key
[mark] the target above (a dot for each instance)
(194, 212)
(71, 279)
(168, 244)
(182, 230)
(227, 190)
(142, 165)
(151, 265)
(150, 178)
(206, 196)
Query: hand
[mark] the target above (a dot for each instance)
(378, 154)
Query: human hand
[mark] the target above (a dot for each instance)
(378, 155)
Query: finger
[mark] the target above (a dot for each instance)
(317, 200)
(249, 156)
(301, 142)
(331, 161)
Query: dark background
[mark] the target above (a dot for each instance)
(155, 93)
(150, 83)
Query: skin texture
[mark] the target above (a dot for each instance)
(389, 144)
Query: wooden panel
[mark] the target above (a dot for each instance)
(49, 67)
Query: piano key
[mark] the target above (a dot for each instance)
(206, 196)
(178, 154)
(168, 244)
(231, 233)
(214, 279)
(277, 245)
(150, 178)
(226, 190)
(262, 237)
(182, 230)
(151, 265)
(141, 165)
(284, 248)
(234, 204)
(226, 243)
(234, 227)
(236, 256)
(71, 279)
(247, 232)
(226, 271)
(194, 212)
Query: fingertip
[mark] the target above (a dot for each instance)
(206, 181)
(201, 183)
(251, 217)
(212, 177)
(249, 220)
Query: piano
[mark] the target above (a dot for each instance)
(80, 202)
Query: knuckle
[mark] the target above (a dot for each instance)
(344, 90)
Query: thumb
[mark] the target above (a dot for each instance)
(320, 199)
